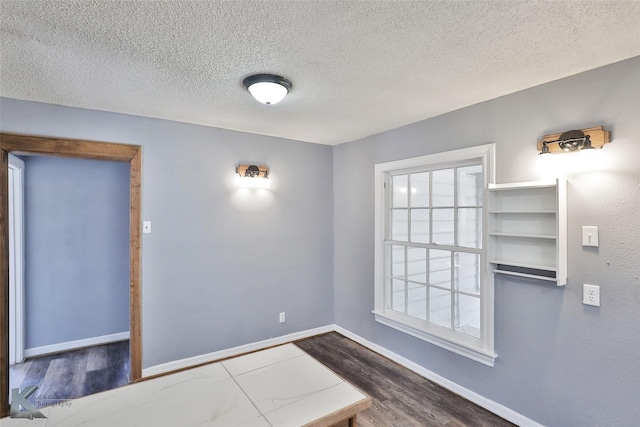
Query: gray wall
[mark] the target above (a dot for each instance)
(77, 249)
(222, 261)
(559, 362)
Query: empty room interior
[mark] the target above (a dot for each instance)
(323, 213)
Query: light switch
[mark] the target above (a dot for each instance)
(590, 235)
(146, 227)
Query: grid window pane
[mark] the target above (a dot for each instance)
(417, 264)
(420, 225)
(400, 198)
(467, 272)
(468, 315)
(420, 190)
(440, 307)
(398, 295)
(470, 186)
(437, 217)
(417, 301)
(399, 225)
(443, 226)
(397, 261)
(443, 187)
(440, 268)
(470, 227)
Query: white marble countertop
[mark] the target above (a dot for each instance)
(279, 387)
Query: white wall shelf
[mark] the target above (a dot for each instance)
(528, 230)
(530, 236)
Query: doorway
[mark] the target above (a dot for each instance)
(24, 144)
(76, 266)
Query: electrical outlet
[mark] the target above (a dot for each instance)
(282, 317)
(591, 295)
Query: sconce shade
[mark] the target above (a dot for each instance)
(267, 88)
(572, 140)
(252, 171)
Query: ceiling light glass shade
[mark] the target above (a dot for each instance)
(267, 88)
(267, 92)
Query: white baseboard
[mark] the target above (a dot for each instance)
(74, 345)
(488, 404)
(231, 352)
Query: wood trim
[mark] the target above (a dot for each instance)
(598, 136)
(29, 144)
(135, 297)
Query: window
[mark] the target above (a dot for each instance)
(431, 281)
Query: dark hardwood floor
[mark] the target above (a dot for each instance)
(400, 397)
(73, 374)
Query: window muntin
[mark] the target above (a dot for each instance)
(434, 245)
(419, 269)
(435, 242)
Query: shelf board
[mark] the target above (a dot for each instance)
(530, 276)
(522, 264)
(520, 212)
(523, 185)
(528, 236)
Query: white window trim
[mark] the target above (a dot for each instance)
(479, 350)
(16, 260)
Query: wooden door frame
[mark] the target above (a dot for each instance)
(63, 147)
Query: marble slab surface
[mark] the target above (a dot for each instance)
(277, 387)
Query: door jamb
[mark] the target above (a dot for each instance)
(16, 244)
(64, 147)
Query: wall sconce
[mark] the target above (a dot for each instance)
(252, 171)
(574, 140)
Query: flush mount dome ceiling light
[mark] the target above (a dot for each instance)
(267, 88)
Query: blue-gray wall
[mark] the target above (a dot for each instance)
(559, 362)
(76, 249)
(221, 261)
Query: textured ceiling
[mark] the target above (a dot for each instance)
(358, 67)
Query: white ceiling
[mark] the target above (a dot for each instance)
(357, 67)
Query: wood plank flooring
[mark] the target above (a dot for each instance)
(401, 398)
(73, 374)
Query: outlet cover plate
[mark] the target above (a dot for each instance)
(591, 295)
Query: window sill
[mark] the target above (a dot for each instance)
(463, 349)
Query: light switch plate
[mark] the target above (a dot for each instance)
(590, 235)
(146, 227)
